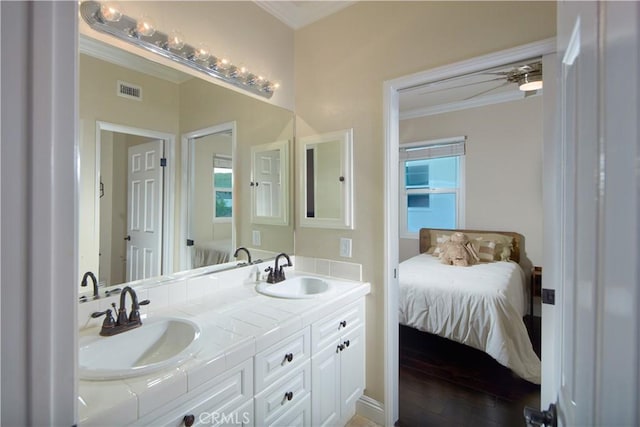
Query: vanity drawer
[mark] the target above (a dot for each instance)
(281, 359)
(283, 395)
(228, 390)
(325, 332)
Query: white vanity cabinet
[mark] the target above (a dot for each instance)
(283, 382)
(223, 400)
(337, 366)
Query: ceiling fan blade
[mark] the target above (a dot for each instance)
(459, 86)
(487, 91)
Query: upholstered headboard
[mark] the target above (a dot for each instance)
(518, 239)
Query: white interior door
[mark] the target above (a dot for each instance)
(596, 378)
(144, 211)
(268, 183)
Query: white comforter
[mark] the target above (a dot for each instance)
(480, 306)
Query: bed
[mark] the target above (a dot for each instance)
(481, 306)
(211, 252)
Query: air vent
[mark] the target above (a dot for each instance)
(127, 90)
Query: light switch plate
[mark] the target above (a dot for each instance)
(255, 235)
(345, 247)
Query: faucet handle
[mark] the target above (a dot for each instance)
(108, 324)
(134, 316)
(145, 302)
(271, 276)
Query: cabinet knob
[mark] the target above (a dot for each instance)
(288, 395)
(340, 348)
(188, 420)
(346, 343)
(288, 357)
(343, 324)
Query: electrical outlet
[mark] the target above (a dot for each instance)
(256, 238)
(345, 247)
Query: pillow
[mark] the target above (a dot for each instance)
(504, 243)
(486, 249)
(440, 241)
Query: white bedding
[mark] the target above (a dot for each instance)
(211, 253)
(480, 306)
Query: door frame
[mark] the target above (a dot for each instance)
(391, 118)
(187, 184)
(168, 203)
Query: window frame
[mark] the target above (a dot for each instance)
(404, 192)
(223, 219)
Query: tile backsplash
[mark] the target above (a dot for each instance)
(187, 289)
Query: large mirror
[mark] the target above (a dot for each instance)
(191, 140)
(326, 187)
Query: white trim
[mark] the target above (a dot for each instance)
(469, 103)
(168, 223)
(391, 235)
(187, 184)
(370, 409)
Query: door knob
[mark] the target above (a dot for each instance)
(128, 238)
(537, 418)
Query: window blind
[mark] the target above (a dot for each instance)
(448, 147)
(221, 161)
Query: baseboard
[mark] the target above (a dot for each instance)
(370, 409)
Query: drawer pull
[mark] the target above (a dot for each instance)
(340, 348)
(288, 395)
(343, 324)
(288, 357)
(346, 343)
(188, 420)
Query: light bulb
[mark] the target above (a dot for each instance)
(175, 40)
(110, 12)
(145, 27)
(201, 53)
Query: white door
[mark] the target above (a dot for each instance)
(597, 288)
(144, 211)
(268, 183)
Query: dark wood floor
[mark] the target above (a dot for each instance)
(443, 383)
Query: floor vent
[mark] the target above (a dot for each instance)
(127, 90)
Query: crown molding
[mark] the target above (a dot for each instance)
(296, 14)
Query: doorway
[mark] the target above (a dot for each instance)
(392, 131)
(135, 234)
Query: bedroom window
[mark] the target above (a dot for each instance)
(222, 189)
(431, 181)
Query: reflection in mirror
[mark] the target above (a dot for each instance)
(168, 103)
(210, 189)
(326, 187)
(270, 166)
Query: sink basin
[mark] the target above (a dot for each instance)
(295, 288)
(158, 344)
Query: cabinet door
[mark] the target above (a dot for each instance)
(352, 368)
(325, 387)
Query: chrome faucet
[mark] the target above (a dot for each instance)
(245, 250)
(96, 294)
(123, 322)
(276, 274)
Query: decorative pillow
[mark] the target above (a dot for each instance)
(440, 242)
(504, 243)
(486, 250)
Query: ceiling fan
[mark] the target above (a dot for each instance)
(528, 77)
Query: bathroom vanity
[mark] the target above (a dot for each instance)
(258, 360)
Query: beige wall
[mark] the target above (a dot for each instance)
(239, 30)
(341, 63)
(157, 111)
(503, 168)
(203, 105)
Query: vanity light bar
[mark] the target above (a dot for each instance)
(126, 28)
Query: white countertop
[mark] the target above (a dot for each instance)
(236, 323)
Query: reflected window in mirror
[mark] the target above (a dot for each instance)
(222, 188)
(326, 180)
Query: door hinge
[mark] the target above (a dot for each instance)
(549, 296)
(190, 242)
(163, 162)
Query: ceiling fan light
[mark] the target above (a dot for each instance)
(530, 81)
